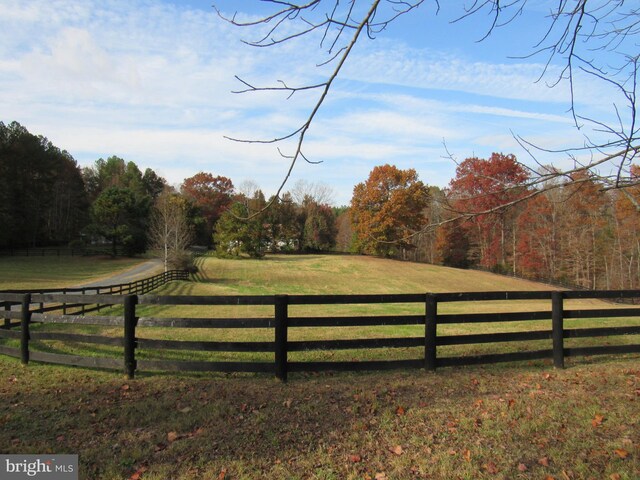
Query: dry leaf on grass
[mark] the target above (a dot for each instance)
(597, 420)
(621, 452)
(138, 473)
(544, 461)
(467, 455)
(397, 450)
(490, 467)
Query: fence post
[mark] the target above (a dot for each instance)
(7, 320)
(84, 292)
(282, 320)
(130, 322)
(557, 327)
(24, 327)
(430, 332)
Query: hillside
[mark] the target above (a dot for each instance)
(341, 274)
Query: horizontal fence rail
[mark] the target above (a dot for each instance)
(74, 300)
(38, 308)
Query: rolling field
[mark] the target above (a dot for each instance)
(323, 274)
(512, 421)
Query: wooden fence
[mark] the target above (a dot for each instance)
(18, 323)
(67, 304)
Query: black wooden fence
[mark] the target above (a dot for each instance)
(18, 327)
(76, 298)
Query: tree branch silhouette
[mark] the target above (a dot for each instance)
(584, 36)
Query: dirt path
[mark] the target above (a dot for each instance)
(143, 270)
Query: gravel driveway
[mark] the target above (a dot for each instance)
(144, 270)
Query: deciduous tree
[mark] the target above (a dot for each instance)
(212, 195)
(480, 190)
(170, 231)
(387, 208)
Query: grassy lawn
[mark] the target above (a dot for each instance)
(334, 274)
(499, 422)
(65, 271)
(512, 421)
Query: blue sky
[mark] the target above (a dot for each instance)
(151, 82)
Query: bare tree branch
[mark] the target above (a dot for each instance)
(579, 37)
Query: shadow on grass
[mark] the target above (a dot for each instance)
(323, 426)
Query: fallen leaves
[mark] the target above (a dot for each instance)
(138, 473)
(467, 455)
(597, 420)
(355, 458)
(544, 461)
(621, 452)
(173, 436)
(397, 450)
(490, 467)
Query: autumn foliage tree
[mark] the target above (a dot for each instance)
(480, 192)
(212, 196)
(387, 208)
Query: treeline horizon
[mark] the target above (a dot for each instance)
(576, 232)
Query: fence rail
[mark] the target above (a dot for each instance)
(138, 287)
(281, 322)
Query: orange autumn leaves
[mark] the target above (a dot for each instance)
(387, 208)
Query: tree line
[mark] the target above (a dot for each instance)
(573, 230)
(47, 199)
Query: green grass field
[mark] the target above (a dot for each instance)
(511, 421)
(65, 271)
(341, 275)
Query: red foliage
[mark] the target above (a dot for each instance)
(483, 187)
(212, 195)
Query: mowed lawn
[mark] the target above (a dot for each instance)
(335, 274)
(326, 274)
(512, 421)
(23, 273)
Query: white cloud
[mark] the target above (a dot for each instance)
(150, 81)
